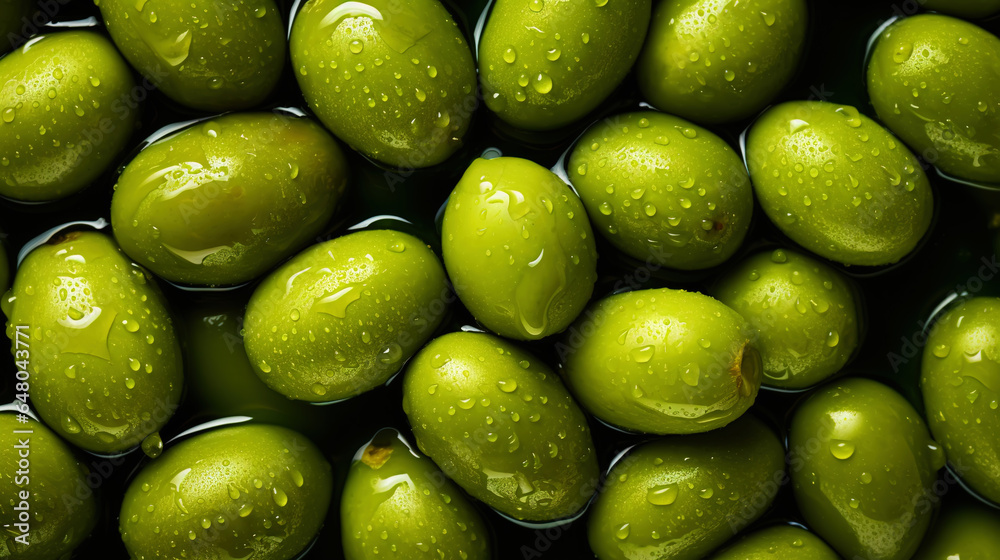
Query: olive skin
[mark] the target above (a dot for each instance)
(81, 122)
(960, 382)
(935, 81)
(391, 490)
(226, 199)
(803, 313)
(343, 316)
(837, 183)
(549, 65)
(863, 466)
(779, 542)
(500, 424)
(61, 506)
(212, 55)
(233, 492)
(518, 248)
(680, 497)
(636, 174)
(715, 62)
(966, 532)
(663, 362)
(964, 8)
(394, 80)
(105, 364)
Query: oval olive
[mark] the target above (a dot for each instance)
(962, 532)
(66, 111)
(518, 248)
(662, 362)
(395, 80)
(226, 199)
(500, 424)
(779, 542)
(48, 507)
(715, 62)
(680, 497)
(343, 316)
(863, 466)
(396, 502)
(214, 55)
(803, 314)
(105, 364)
(546, 64)
(837, 183)
(935, 81)
(663, 190)
(233, 492)
(960, 382)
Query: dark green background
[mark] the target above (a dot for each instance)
(897, 299)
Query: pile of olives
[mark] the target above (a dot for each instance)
(446, 279)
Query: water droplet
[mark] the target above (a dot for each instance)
(642, 354)
(357, 46)
(510, 55)
(622, 532)
(842, 450)
(507, 386)
(729, 75)
(902, 53)
(152, 445)
(832, 339)
(279, 496)
(662, 495)
(536, 5)
(796, 125)
(542, 83)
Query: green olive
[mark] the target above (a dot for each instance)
(803, 313)
(935, 81)
(837, 183)
(713, 62)
(680, 497)
(397, 503)
(395, 80)
(663, 190)
(48, 507)
(226, 199)
(863, 469)
(213, 55)
(94, 333)
(662, 362)
(966, 532)
(500, 424)
(780, 542)
(547, 64)
(343, 316)
(518, 248)
(961, 387)
(66, 110)
(244, 491)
